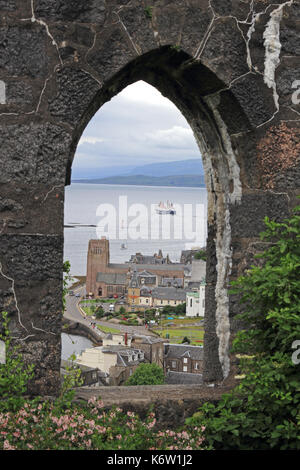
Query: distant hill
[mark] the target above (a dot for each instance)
(182, 167)
(144, 180)
(177, 168)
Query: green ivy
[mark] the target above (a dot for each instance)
(14, 374)
(148, 12)
(263, 411)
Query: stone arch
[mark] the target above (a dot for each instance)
(228, 66)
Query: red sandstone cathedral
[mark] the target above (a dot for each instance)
(105, 279)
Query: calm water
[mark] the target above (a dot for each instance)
(72, 344)
(139, 227)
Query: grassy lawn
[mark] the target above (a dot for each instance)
(108, 329)
(90, 301)
(87, 310)
(176, 335)
(178, 321)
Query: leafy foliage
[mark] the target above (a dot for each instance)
(147, 374)
(201, 254)
(263, 411)
(38, 426)
(99, 312)
(14, 374)
(67, 278)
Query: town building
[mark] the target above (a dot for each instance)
(183, 358)
(89, 375)
(152, 346)
(194, 273)
(195, 302)
(117, 361)
(163, 296)
(105, 279)
(157, 258)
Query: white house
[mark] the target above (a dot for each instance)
(195, 302)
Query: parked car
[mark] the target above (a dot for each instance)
(111, 308)
(77, 295)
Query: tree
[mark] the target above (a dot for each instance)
(122, 311)
(99, 312)
(201, 254)
(262, 412)
(147, 374)
(186, 340)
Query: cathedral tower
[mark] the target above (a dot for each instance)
(97, 261)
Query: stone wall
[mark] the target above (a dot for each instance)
(172, 404)
(232, 69)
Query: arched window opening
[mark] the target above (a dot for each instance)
(135, 217)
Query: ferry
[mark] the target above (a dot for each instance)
(165, 208)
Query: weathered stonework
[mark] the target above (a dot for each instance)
(232, 69)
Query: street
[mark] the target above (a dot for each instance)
(73, 313)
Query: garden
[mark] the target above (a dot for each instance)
(261, 413)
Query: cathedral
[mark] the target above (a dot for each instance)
(105, 279)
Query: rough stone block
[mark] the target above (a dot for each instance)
(76, 91)
(34, 153)
(32, 41)
(82, 11)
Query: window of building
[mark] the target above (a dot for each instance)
(184, 368)
(185, 360)
(191, 302)
(130, 371)
(197, 366)
(173, 364)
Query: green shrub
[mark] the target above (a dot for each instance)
(99, 312)
(14, 374)
(263, 411)
(201, 254)
(147, 374)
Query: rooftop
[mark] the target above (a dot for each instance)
(112, 278)
(169, 293)
(183, 378)
(184, 350)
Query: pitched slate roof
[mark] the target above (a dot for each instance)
(178, 351)
(169, 293)
(183, 378)
(111, 278)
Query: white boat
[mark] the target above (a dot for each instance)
(165, 208)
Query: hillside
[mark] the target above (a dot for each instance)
(143, 180)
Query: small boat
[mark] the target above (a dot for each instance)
(167, 208)
(123, 246)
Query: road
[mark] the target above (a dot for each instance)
(73, 313)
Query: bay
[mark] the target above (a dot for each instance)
(137, 226)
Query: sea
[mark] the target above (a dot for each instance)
(127, 216)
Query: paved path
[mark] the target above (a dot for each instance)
(73, 313)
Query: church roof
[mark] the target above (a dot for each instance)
(111, 278)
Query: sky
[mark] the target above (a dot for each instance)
(137, 127)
